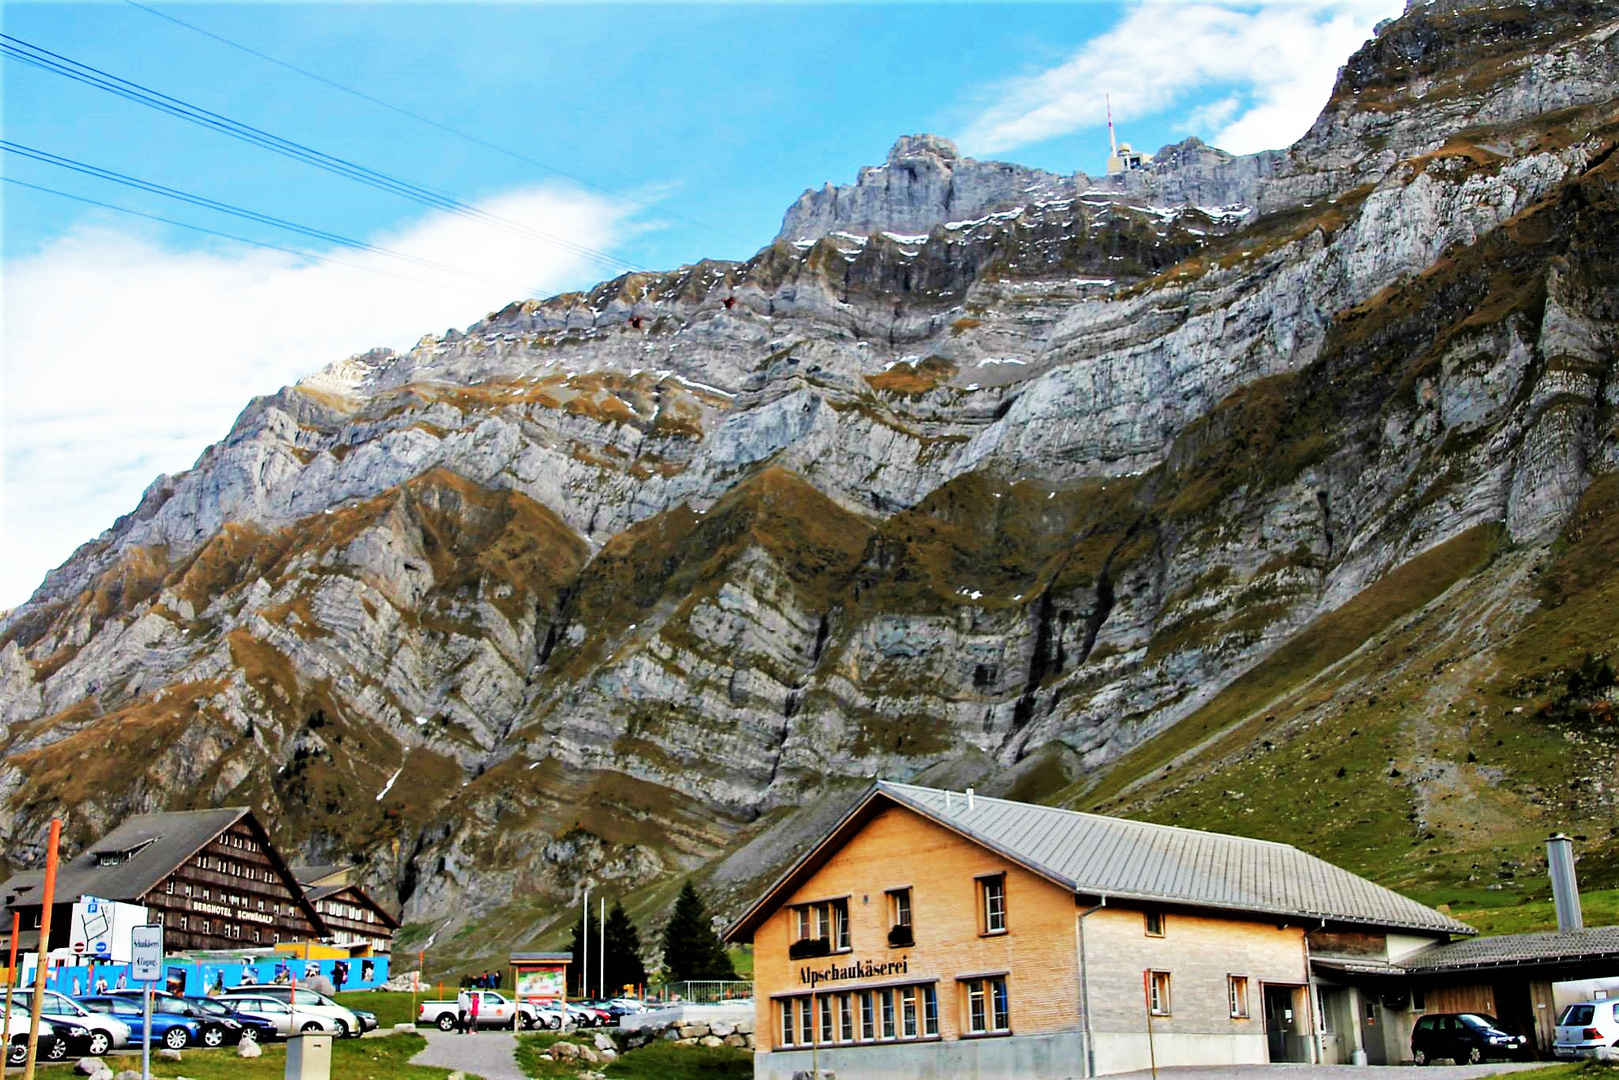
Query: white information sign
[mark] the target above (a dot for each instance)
(146, 951)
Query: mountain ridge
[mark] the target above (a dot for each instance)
(639, 582)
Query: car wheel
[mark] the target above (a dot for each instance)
(1420, 1057)
(310, 1026)
(342, 1028)
(17, 1053)
(1475, 1056)
(556, 1023)
(213, 1036)
(446, 1022)
(100, 1043)
(250, 1035)
(176, 1038)
(57, 1050)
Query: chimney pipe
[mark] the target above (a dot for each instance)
(969, 798)
(1565, 891)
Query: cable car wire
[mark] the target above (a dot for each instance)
(239, 239)
(458, 133)
(17, 49)
(241, 212)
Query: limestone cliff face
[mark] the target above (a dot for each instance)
(976, 472)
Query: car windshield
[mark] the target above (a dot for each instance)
(56, 1003)
(209, 1005)
(1479, 1020)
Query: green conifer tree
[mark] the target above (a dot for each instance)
(624, 964)
(691, 949)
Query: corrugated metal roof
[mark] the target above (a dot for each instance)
(164, 841)
(1118, 858)
(1591, 943)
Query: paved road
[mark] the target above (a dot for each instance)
(1324, 1072)
(487, 1054)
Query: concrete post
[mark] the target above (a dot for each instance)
(1359, 1054)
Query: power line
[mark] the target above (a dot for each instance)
(238, 211)
(363, 96)
(233, 236)
(17, 49)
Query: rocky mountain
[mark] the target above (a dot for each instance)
(1274, 494)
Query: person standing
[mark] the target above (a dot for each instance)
(475, 995)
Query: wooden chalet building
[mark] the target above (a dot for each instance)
(211, 877)
(353, 920)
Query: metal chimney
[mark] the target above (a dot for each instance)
(1565, 892)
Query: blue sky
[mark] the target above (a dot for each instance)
(684, 132)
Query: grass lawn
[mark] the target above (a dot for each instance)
(391, 1006)
(1573, 1070)
(352, 1059)
(1599, 906)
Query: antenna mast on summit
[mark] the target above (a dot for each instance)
(1113, 146)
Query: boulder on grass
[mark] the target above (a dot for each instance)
(711, 1040)
(248, 1048)
(604, 1041)
(693, 1031)
(94, 1068)
(720, 1028)
(736, 1040)
(167, 1054)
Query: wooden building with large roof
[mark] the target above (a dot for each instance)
(211, 877)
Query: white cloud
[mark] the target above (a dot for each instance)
(124, 357)
(1276, 60)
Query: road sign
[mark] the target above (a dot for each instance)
(146, 948)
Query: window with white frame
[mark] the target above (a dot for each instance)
(987, 1005)
(1158, 992)
(992, 904)
(1237, 992)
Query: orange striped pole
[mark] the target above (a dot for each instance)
(47, 898)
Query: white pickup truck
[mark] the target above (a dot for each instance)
(494, 1011)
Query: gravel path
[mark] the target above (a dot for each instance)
(488, 1054)
(1326, 1072)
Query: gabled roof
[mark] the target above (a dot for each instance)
(1592, 944)
(317, 874)
(158, 843)
(1098, 856)
(360, 896)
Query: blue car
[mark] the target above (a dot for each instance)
(170, 1029)
(220, 1025)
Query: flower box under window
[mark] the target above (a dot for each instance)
(808, 947)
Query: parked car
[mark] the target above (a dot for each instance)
(255, 1028)
(170, 1029)
(1466, 1038)
(1588, 1029)
(283, 1021)
(306, 1000)
(219, 1026)
(17, 1048)
(368, 1020)
(106, 1032)
(495, 1010)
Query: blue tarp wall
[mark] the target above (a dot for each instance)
(199, 977)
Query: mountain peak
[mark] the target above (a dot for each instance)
(912, 146)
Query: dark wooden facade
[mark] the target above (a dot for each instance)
(235, 893)
(353, 920)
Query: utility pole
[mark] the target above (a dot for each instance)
(601, 959)
(584, 943)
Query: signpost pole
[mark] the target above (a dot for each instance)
(146, 966)
(146, 1035)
